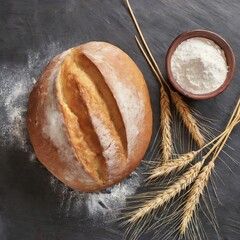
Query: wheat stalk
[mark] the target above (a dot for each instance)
(166, 118)
(166, 115)
(154, 65)
(173, 165)
(166, 195)
(187, 117)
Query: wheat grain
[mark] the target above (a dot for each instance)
(166, 195)
(166, 118)
(173, 165)
(194, 196)
(188, 120)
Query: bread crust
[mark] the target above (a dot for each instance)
(50, 124)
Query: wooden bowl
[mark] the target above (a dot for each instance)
(221, 43)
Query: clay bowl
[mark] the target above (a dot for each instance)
(221, 43)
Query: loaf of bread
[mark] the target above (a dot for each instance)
(89, 116)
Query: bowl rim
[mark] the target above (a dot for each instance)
(216, 38)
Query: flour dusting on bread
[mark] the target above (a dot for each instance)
(108, 143)
(54, 124)
(132, 114)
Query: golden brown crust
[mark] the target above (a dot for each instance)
(103, 142)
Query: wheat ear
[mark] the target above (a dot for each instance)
(194, 196)
(202, 180)
(166, 195)
(166, 118)
(188, 120)
(176, 165)
(173, 165)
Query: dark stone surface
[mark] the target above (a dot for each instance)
(28, 209)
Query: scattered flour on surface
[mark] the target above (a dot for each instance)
(16, 84)
(15, 87)
(103, 205)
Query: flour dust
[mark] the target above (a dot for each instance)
(16, 84)
(103, 205)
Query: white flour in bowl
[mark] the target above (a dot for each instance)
(16, 84)
(199, 65)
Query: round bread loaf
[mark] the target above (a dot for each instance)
(89, 116)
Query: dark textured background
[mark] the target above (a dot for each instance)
(28, 208)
